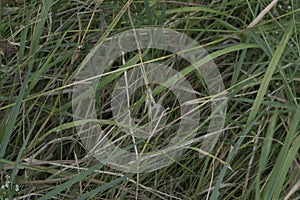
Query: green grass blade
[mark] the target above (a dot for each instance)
(268, 75)
(103, 37)
(102, 188)
(10, 125)
(70, 182)
(289, 92)
(266, 148)
(215, 193)
(278, 175)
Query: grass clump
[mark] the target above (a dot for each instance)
(255, 45)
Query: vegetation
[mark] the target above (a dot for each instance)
(255, 45)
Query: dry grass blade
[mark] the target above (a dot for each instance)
(263, 13)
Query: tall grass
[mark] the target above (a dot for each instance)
(46, 44)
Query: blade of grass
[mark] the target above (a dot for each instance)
(82, 175)
(290, 96)
(237, 69)
(148, 12)
(287, 153)
(257, 102)
(192, 9)
(70, 182)
(21, 166)
(162, 16)
(104, 187)
(268, 75)
(247, 129)
(184, 72)
(103, 37)
(266, 148)
(38, 32)
(212, 156)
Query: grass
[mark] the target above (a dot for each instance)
(44, 45)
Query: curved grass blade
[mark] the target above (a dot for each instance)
(256, 105)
